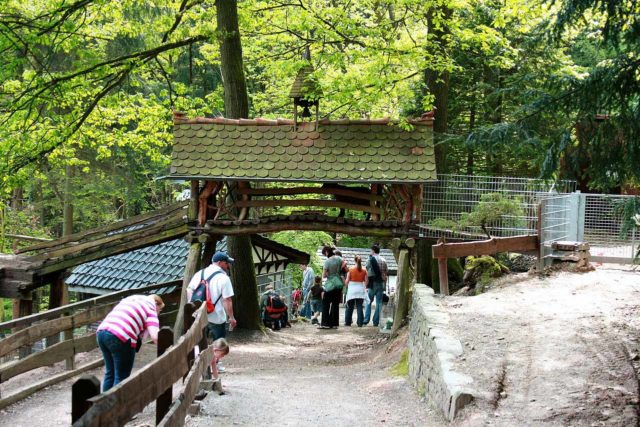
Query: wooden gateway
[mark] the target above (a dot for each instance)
(360, 177)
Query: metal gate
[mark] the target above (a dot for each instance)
(602, 220)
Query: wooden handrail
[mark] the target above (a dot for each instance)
(48, 328)
(309, 190)
(118, 405)
(486, 247)
(306, 202)
(57, 312)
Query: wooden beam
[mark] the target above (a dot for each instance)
(257, 192)
(55, 313)
(34, 333)
(104, 230)
(34, 387)
(305, 202)
(486, 247)
(273, 227)
(27, 238)
(48, 356)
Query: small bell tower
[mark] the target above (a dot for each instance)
(306, 93)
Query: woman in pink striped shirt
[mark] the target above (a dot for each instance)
(132, 319)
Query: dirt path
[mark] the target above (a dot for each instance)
(303, 376)
(554, 351)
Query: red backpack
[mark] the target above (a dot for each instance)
(202, 292)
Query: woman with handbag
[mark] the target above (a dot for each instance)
(356, 282)
(120, 335)
(332, 289)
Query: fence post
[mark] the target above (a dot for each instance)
(189, 309)
(163, 402)
(82, 390)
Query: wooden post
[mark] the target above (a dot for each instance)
(82, 390)
(402, 288)
(189, 309)
(424, 261)
(443, 274)
(193, 263)
(163, 402)
(22, 308)
(59, 296)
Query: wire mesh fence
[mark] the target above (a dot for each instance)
(463, 207)
(609, 227)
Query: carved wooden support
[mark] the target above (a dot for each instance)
(245, 198)
(210, 189)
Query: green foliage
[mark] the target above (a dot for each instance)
(305, 241)
(494, 209)
(24, 222)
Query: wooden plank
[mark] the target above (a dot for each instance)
(305, 202)
(160, 213)
(486, 247)
(28, 391)
(56, 353)
(52, 314)
(309, 190)
(27, 238)
(37, 332)
(119, 404)
(112, 245)
(328, 226)
(178, 411)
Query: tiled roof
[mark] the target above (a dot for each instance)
(349, 253)
(271, 150)
(160, 263)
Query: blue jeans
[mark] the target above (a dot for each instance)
(118, 359)
(376, 292)
(348, 312)
(217, 330)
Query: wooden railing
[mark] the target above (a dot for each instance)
(153, 382)
(50, 324)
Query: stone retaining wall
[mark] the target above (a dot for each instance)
(432, 354)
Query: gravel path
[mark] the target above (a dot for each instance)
(304, 376)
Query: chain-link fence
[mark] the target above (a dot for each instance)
(464, 207)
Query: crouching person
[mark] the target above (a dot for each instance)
(121, 333)
(274, 310)
(220, 350)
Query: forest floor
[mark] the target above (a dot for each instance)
(561, 349)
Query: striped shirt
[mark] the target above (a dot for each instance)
(131, 317)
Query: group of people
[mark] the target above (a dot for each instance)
(364, 286)
(135, 318)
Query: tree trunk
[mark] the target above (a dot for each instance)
(437, 83)
(236, 104)
(403, 289)
(67, 205)
(191, 267)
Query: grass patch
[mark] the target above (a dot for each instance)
(401, 369)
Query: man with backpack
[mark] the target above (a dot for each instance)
(274, 309)
(213, 286)
(377, 271)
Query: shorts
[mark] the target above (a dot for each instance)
(216, 330)
(316, 305)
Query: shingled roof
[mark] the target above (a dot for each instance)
(347, 151)
(160, 263)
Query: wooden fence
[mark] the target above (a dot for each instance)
(50, 324)
(152, 382)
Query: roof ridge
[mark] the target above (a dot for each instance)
(181, 118)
